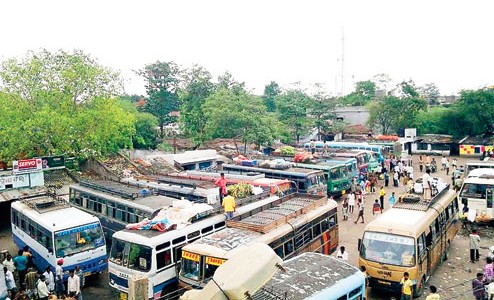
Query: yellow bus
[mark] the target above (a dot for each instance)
(414, 236)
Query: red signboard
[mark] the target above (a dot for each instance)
(27, 165)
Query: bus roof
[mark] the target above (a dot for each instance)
(479, 172)
(284, 171)
(149, 203)
(153, 238)
(404, 220)
(324, 166)
(297, 280)
(483, 179)
(54, 219)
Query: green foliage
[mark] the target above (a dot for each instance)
(270, 92)
(432, 121)
(364, 92)
(146, 133)
(61, 103)
(227, 82)
(197, 86)
(322, 111)
(238, 115)
(162, 82)
(292, 108)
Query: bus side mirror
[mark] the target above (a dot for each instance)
(359, 244)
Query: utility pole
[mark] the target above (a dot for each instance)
(342, 61)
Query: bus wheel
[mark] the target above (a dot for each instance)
(419, 290)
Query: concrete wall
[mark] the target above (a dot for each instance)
(353, 114)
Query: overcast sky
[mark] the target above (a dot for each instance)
(449, 43)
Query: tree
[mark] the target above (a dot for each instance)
(40, 76)
(429, 92)
(162, 82)
(364, 92)
(433, 121)
(46, 110)
(146, 132)
(226, 81)
(197, 87)
(270, 92)
(322, 111)
(382, 113)
(237, 116)
(475, 109)
(292, 108)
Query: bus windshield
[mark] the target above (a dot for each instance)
(388, 249)
(475, 190)
(78, 239)
(131, 255)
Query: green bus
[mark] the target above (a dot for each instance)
(338, 178)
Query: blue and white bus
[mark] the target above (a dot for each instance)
(379, 150)
(157, 255)
(52, 229)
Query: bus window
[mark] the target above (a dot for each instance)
(489, 198)
(279, 251)
(316, 229)
(219, 225)
(324, 225)
(355, 292)
(178, 240)
(288, 247)
(163, 259)
(388, 249)
(76, 240)
(139, 257)
(342, 297)
(190, 269)
(207, 229)
(421, 243)
(334, 174)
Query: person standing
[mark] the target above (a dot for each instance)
(20, 262)
(27, 253)
(382, 192)
(376, 208)
(386, 179)
(443, 163)
(373, 182)
(229, 205)
(360, 204)
(478, 287)
(73, 285)
(364, 271)
(59, 285)
(9, 280)
(396, 177)
(474, 246)
(454, 164)
(312, 146)
(221, 184)
(43, 291)
(433, 295)
(342, 254)
(351, 202)
(344, 205)
(79, 273)
(406, 287)
(31, 280)
(50, 279)
(488, 270)
(421, 164)
(9, 263)
(426, 185)
(392, 199)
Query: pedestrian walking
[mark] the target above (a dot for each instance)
(42, 289)
(360, 211)
(488, 270)
(454, 163)
(396, 177)
(351, 202)
(433, 295)
(376, 208)
(50, 279)
(382, 192)
(344, 205)
(474, 246)
(31, 280)
(59, 285)
(392, 199)
(373, 181)
(421, 164)
(20, 262)
(406, 287)
(229, 205)
(478, 287)
(447, 167)
(342, 254)
(386, 179)
(443, 163)
(9, 280)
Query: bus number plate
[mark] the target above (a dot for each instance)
(123, 296)
(384, 282)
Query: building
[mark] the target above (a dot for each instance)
(475, 146)
(355, 115)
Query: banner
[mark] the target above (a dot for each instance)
(27, 165)
(51, 162)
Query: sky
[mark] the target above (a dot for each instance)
(448, 43)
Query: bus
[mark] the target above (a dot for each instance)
(351, 164)
(472, 165)
(363, 158)
(156, 255)
(380, 150)
(414, 236)
(307, 181)
(336, 174)
(341, 280)
(477, 193)
(116, 205)
(53, 230)
(302, 223)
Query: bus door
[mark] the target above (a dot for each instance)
(423, 256)
(489, 199)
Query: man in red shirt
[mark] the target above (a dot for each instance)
(221, 183)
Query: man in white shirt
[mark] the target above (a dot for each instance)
(43, 292)
(9, 280)
(59, 285)
(73, 285)
(50, 279)
(426, 185)
(443, 163)
(9, 263)
(342, 254)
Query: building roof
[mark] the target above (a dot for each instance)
(477, 140)
(189, 157)
(435, 139)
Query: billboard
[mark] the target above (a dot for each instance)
(52, 162)
(27, 165)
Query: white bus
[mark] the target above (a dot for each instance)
(52, 229)
(477, 192)
(157, 255)
(472, 165)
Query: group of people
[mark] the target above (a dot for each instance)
(226, 198)
(24, 282)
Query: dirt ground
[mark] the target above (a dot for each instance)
(452, 278)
